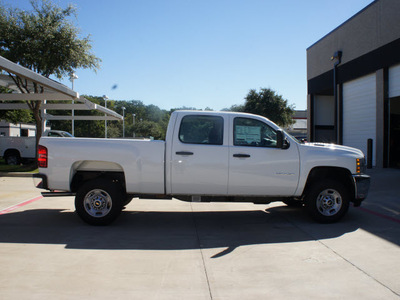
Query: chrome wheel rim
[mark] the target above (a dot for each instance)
(97, 203)
(329, 202)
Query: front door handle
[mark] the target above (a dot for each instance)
(241, 155)
(183, 153)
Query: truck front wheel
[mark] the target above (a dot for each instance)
(327, 201)
(99, 201)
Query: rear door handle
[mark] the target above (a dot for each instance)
(241, 155)
(183, 153)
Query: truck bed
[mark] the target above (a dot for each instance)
(142, 161)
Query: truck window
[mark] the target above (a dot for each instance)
(253, 133)
(53, 134)
(65, 134)
(24, 132)
(197, 129)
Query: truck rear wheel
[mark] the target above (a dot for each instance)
(99, 201)
(327, 201)
(12, 158)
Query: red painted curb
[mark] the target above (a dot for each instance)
(379, 214)
(14, 207)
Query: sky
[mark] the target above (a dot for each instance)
(203, 53)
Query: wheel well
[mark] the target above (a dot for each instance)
(9, 152)
(334, 173)
(83, 176)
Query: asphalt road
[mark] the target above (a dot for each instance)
(168, 249)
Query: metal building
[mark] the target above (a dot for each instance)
(353, 76)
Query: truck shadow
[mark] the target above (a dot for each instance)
(160, 230)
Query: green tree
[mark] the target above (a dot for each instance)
(154, 113)
(14, 116)
(90, 128)
(45, 41)
(269, 104)
(149, 129)
(83, 128)
(235, 107)
(182, 108)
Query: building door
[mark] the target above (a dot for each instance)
(324, 119)
(394, 117)
(359, 113)
(394, 133)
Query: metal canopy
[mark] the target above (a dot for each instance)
(49, 90)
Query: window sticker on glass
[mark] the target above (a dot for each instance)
(250, 134)
(254, 133)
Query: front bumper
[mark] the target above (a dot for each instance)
(361, 187)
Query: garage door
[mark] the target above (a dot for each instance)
(394, 81)
(394, 116)
(359, 113)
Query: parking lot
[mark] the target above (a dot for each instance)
(168, 249)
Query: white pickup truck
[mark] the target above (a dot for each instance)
(207, 156)
(15, 149)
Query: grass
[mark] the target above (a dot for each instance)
(27, 168)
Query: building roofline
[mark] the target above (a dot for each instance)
(345, 22)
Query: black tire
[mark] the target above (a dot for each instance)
(327, 201)
(99, 201)
(13, 159)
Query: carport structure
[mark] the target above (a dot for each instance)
(39, 88)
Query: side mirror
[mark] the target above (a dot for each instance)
(279, 139)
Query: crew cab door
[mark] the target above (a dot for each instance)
(199, 156)
(256, 166)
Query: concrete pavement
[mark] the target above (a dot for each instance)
(168, 249)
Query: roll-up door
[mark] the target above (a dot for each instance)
(324, 119)
(359, 113)
(394, 116)
(394, 81)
